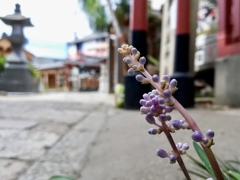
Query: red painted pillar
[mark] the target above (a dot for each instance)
(228, 36)
(185, 92)
(138, 38)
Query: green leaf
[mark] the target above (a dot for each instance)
(234, 174)
(204, 158)
(197, 163)
(60, 178)
(199, 174)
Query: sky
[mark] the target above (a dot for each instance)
(55, 22)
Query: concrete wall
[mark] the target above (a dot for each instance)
(227, 81)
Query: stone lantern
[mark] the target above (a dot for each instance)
(17, 76)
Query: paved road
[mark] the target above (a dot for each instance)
(83, 136)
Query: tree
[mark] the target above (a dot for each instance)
(96, 14)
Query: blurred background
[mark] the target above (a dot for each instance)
(59, 60)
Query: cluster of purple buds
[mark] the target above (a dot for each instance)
(207, 140)
(182, 148)
(180, 124)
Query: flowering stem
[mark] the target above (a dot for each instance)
(207, 150)
(173, 145)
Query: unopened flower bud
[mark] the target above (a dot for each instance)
(177, 124)
(161, 100)
(169, 109)
(155, 78)
(168, 118)
(150, 119)
(152, 131)
(131, 71)
(146, 96)
(179, 145)
(173, 83)
(161, 153)
(155, 100)
(140, 77)
(210, 134)
(142, 60)
(205, 140)
(197, 136)
(185, 146)
(127, 60)
(135, 68)
(143, 102)
(166, 78)
(162, 117)
(144, 110)
(153, 109)
(172, 159)
(167, 93)
(134, 51)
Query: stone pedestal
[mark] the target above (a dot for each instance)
(17, 78)
(227, 81)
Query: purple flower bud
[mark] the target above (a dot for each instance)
(135, 68)
(210, 134)
(152, 131)
(155, 92)
(155, 78)
(197, 136)
(153, 109)
(167, 93)
(161, 100)
(128, 60)
(176, 124)
(179, 145)
(143, 102)
(166, 78)
(150, 119)
(134, 51)
(149, 103)
(205, 140)
(161, 153)
(155, 100)
(172, 158)
(152, 96)
(168, 118)
(185, 146)
(173, 83)
(142, 60)
(140, 77)
(144, 110)
(162, 117)
(146, 96)
(131, 71)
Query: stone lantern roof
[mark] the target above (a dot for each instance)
(16, 18)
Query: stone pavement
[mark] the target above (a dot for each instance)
(83, 136)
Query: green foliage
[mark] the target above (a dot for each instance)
(153, 60)
(60, 178)
(119, 95)
(2, 63)
(204, 159)
(96, 14)
(204, 170)
(122, 11)
(35, 73)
